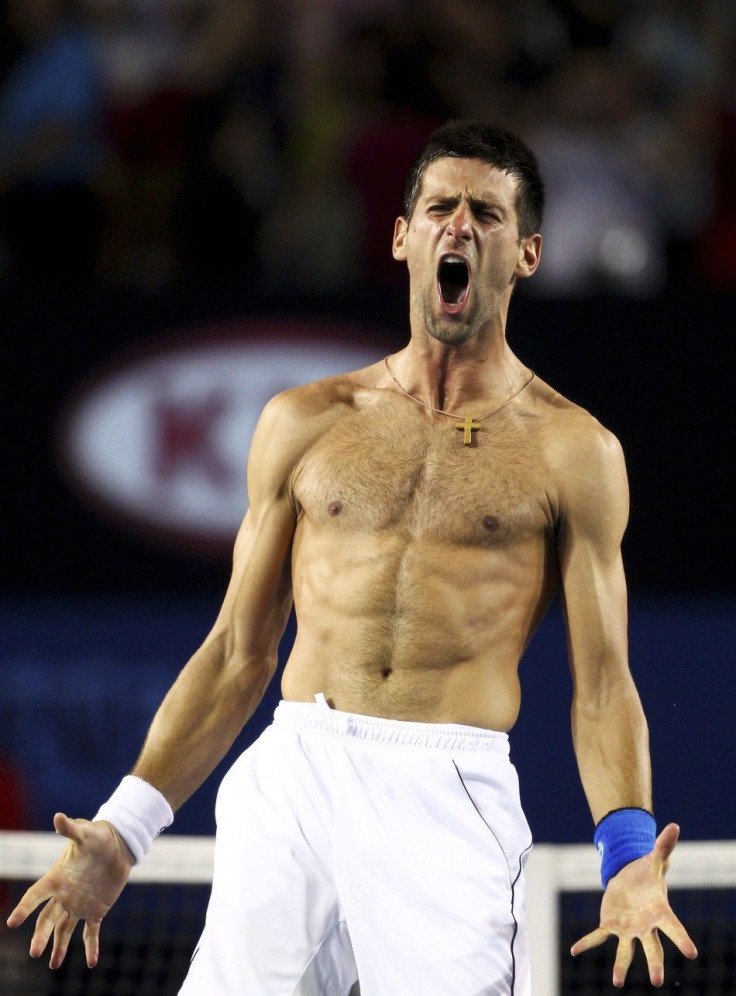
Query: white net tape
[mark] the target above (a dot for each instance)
(182, 860)
(149, 935)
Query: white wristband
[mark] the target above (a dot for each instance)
(138, 812)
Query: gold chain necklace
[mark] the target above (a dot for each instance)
(468, 423)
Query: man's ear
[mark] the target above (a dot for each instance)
(401, 229)
(530, 252)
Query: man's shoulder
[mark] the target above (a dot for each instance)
(570, 428)
(324, 397)
(296, 418)
(584, 458)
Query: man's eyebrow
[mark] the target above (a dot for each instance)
(487, 201)
(482, 202)
(437, 198)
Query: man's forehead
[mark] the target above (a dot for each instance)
(451, 175)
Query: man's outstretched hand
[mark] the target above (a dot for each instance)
(82, 884)
(635, 907)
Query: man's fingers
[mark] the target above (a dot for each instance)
(82, 885)
(30, 901)
(62, 935)
(45, 926)
(688, 948)
(67, 828)
(91, 938)
(665, 843)
(591, 940)
(624, 957)
(45, 887)
(23, 910)
(674, 929)
(655, 957)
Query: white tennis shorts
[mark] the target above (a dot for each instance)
(354, 847)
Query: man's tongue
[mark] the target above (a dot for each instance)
(454, 283)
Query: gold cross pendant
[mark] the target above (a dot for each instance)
(468, 426)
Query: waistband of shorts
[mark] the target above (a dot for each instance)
(318, 718)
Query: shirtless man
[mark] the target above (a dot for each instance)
(421, 514)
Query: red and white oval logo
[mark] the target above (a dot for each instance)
(161, 441)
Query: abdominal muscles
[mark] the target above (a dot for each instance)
(406, 629)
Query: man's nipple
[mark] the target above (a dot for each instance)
(491, 523)
(335, 507)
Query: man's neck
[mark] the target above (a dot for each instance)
(452, 377)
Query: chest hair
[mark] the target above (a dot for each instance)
(391, 468)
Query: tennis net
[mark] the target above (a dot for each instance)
(149, 935)
(563, 903)
(146, 940)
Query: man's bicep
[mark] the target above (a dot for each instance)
(594, 516)
(594, 500)
(259, 591)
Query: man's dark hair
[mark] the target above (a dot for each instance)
(492, 145)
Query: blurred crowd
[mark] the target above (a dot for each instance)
(155, 142)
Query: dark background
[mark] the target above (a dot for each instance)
(95, 619)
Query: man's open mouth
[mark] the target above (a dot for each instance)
(453, 282)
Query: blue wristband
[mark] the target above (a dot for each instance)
(623, 836)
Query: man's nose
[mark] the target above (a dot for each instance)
(459, 225)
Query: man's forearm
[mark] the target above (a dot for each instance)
(202, 714)
(612, 748)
